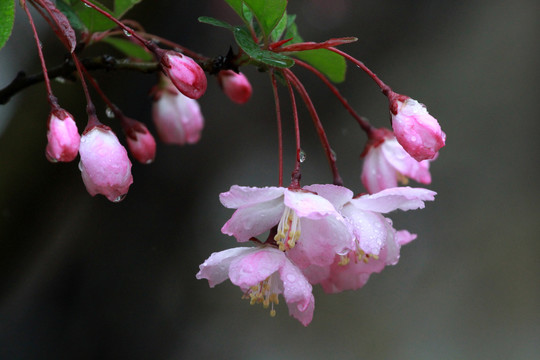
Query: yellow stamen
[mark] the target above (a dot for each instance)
(288, 231)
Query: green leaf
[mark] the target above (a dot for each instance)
(292, 30)
(92, 20)
(211, 21)
(73, 18)
(329, 63)
(244, 40)
(7, 14)
(122, 6)
(237, 6)
(129, 48)
(280, 28)
(267, 12)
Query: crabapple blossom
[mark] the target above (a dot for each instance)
(235, 85)
(377, 243)
(141, 143)
(263, 273)
(104, 165)
(386, 163)
(63, 137)
(177, 118)
(309, 228)
(188, 77)
(416, 130)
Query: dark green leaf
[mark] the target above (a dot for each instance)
(91, 19)
(129, 48)
(244, 40)
(280, 28)
(267, 12)
(7, 14)
(122, 6)
(292, 30)
(329, 63)
(237, 6)
(215, 22)
(70, 14)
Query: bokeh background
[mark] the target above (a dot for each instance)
(82, 278)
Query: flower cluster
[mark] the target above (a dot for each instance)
(319, 234)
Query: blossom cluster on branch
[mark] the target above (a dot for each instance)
(302, 235)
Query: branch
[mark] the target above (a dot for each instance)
(67, 69)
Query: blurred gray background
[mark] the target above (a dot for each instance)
(82, 278)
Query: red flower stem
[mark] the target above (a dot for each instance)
(90, 108)
(331, 157)
(117, 112)
(279, 128)
(50, 97)
(385, 88)
(129, 30)
(363, 122)
(296, 174)
(176, 46)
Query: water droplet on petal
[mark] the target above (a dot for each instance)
(291, 278)
(109, 113)
(302, 156)
(119, 198)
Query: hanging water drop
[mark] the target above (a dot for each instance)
(119, 198)
(60, 79)
(109, 113)
(302, 156)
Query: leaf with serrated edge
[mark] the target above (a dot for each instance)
(74, 20)
(61, 26)
(267, 12)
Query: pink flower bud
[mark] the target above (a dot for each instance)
(185, 73)
(386, 163)
(63, 137)
(416, 130)
(178, 118)
(104, 165)
(140, 142)
(235, 85)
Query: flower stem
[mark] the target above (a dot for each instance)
(279, 128)
(363, 122)
(385, 88)
(50, 97)
(331, 157)
(90, 108)
(296, 174)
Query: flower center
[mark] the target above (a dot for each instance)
(265, 293)
(359, 255)
(288, 230)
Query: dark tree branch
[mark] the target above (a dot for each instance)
(67, 70)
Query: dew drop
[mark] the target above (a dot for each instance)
(127, 33)
(333, 153)
(149, 161)
(302, 156)
(50, 158)
(291, 278)
(60, 79)
(85, 4)
(119, 198)
(109, 113)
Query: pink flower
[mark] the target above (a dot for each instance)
(309, 228)
(63, 137)
(235, 85)
(386, 162)
(140, 142)
(377, 243)
(416, 130)
(178, 118)
(184, 72)
(104, 165)
(262, 273)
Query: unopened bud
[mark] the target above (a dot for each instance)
(63, 137)
(140, 142)
(184, 72)
(416, 130)
(104, 165)
(177, 118)
(235, 85)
